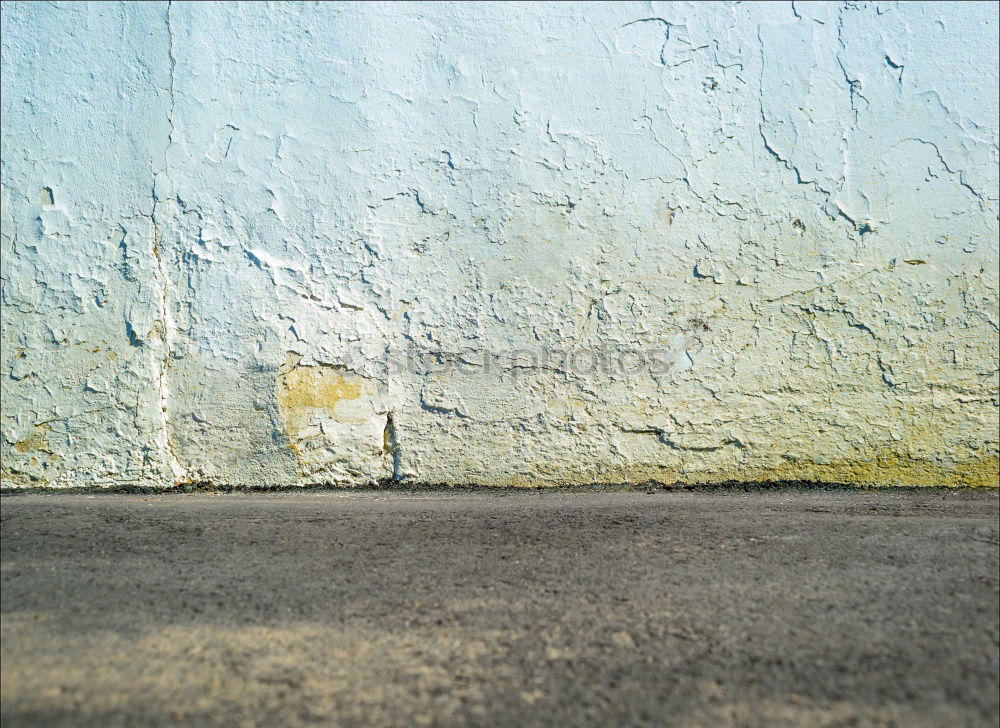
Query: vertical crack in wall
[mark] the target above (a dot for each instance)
(390, 445)
(161, 365)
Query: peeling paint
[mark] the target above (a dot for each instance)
(519, 244)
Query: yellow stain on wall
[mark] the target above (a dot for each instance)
(316, 403)
(319, 387)
(882, 470)
(35, 441)
(893, 469)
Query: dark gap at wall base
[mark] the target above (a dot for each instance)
(389, 485)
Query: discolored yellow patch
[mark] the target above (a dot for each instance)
(320, 404)
(318, 387)
(893, 469)
(35, 441)
(885, 469)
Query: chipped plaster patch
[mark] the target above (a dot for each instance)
(328, 413)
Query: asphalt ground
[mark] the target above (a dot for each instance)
(499, 608)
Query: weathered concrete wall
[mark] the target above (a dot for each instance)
(499, 243)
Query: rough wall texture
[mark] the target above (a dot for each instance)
(499, 243)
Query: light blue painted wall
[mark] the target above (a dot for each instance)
(783, 215)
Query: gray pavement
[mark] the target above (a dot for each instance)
(501, 609)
